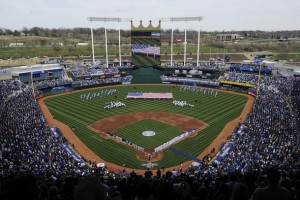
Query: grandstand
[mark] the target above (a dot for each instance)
(249, 149)
(58, 156)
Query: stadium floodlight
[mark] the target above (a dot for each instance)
(107, 19)
(258, 80)
(183, 19)
(104, 19)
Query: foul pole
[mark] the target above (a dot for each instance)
(258, 81)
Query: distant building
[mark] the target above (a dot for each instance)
(229, 37)
(83, 44)
(14, 44)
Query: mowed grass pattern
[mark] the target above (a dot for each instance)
(163, 133)
(215, 111)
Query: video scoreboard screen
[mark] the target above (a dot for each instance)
(145, 47)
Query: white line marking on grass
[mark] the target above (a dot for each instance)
(97, 138)
(199, 137)
(68, 116)
(221, 116)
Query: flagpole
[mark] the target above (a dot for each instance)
(31, 77)
(258, 81)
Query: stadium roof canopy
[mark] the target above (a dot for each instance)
(33, 68)
(15, 71)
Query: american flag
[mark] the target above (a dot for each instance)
(145, 49)
(149, 95)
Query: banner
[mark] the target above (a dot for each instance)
(237, 83)
(73, 154)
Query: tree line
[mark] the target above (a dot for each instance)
(81, 32)
(61, 38)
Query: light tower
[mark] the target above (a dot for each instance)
(184, 19)
(258, 80)
(107, 19)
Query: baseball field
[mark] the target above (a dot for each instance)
(90, 121)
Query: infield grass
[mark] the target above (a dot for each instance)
(133, 133)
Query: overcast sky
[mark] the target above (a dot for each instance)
(267, 15)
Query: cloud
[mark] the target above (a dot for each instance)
(218, 14)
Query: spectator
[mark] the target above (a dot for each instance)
(272, 191)
(240, 192)
(90, 188)
(148, 173)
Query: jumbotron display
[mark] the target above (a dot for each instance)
(145, 45)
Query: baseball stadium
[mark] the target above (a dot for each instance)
(147, 121)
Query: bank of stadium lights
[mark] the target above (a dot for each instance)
(107, 19)
(186, 19)
(183, 19)
(104, 19)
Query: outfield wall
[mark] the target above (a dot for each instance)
(146, 75)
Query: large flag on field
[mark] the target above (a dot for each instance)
(149, 95)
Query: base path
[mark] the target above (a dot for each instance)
(88, 154)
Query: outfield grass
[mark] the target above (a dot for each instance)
(215, 111)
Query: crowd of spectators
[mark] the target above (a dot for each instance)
(295, 100)
(269, 136)
(34, 164)
(51, 83)
(275, 83)
(214, 82)
(271, 133)
(91, 75)
(202, 65)
(234, 76)
(240, 77)
(27, 141)
(102, 81)
(253, 67)
(93, 71)
(7, 87)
